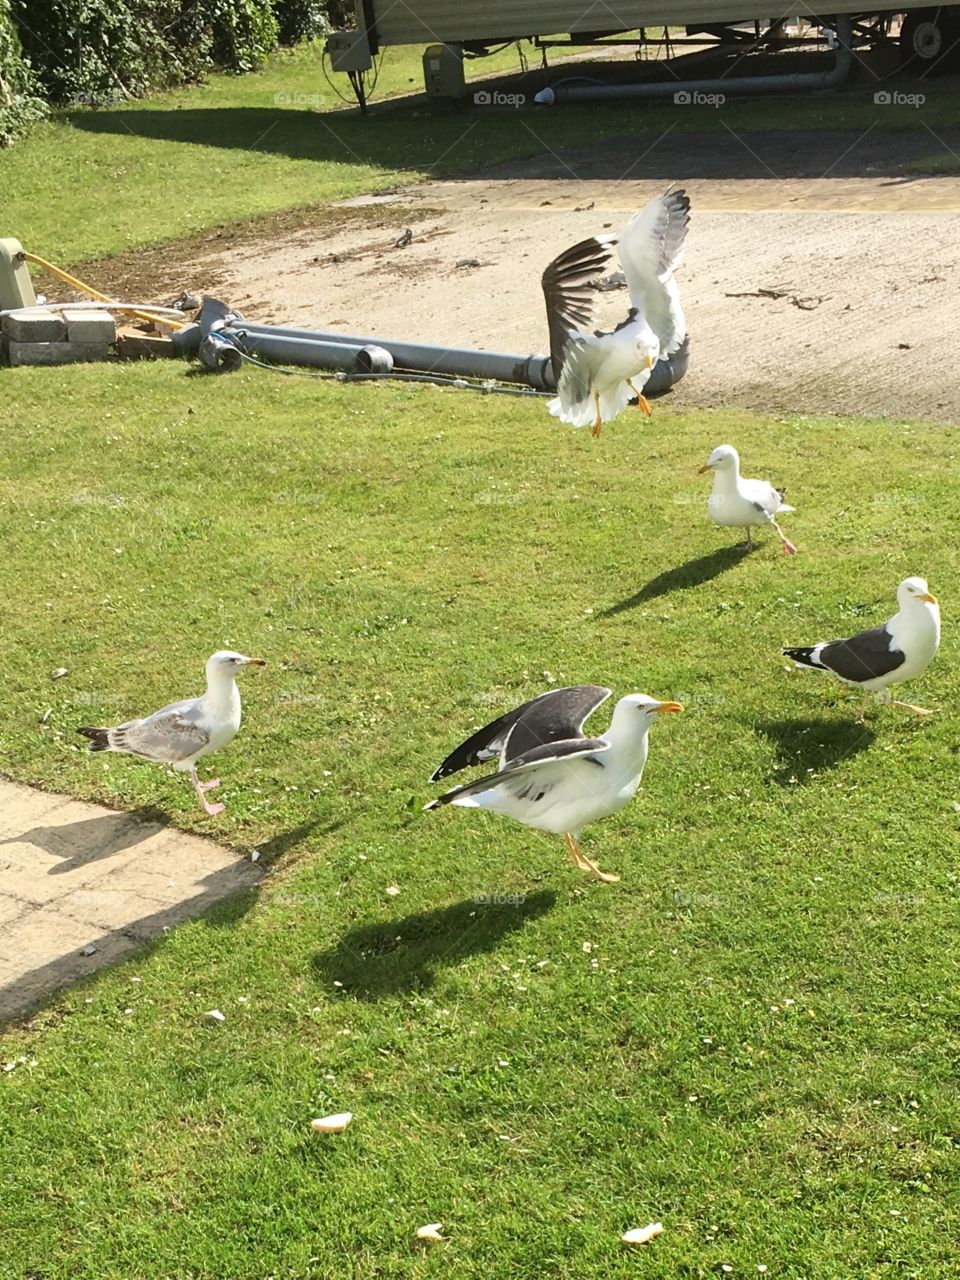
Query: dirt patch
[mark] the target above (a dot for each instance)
(820, 277)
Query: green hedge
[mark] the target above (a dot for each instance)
(19, 104)
(105, 50)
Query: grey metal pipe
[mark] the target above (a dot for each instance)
(534, 371)
(290, 348)
(729, 87)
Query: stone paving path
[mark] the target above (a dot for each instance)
(74, 875)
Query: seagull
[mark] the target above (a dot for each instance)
(899, 650)
(597, 373)
(179, 734)
(743, 503)
(551, 776)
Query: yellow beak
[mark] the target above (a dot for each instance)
(929, 599)
(705, 467)
(669, 706)
(256, 662)
(650, 361)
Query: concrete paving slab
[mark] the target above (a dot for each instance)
(74, 875)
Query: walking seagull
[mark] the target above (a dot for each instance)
(179, 734)
(899, 650)
(740, 503)
(552, 777)
(597, 373)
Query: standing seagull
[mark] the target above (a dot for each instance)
(552, 777)
(597, 373)
(179, 734)
(899, 650)
(740, 503)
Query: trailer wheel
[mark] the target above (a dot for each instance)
(930, 40)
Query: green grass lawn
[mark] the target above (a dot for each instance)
(97, 182)
(752, 1038)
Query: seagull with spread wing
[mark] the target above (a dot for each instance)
(597, 373)
(552, 776)
(182, 732)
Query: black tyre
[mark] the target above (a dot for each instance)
(930, 40)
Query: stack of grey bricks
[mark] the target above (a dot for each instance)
(43, 335)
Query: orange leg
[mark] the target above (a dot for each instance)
(643, 404)
(584, 864)
(597, 422)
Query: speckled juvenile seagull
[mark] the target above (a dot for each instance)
(552, 777)
(597, 373)
(182, 732)
(899, 650)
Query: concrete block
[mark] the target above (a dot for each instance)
(90, 326)
(56, 352)
(34, 324)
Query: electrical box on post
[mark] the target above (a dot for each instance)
(349, 51)
(443, 75)
(16, 287)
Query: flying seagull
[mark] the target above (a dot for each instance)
(597, 373)
(179, 734)
(740, 503)
(551, 776)
(899, 650)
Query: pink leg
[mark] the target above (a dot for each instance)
(211, 809)
(209, 786)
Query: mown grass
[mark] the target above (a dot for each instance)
(751, 1039)
(101, 181)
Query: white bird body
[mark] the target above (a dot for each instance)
(552, 776)
(611, 361)
(581, 796)
(183, 732)
(598, 373)
(736, 502)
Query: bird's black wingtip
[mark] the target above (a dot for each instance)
(99, 740)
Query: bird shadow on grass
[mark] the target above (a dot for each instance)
(691, 574)
(807, 747)
(395, 957)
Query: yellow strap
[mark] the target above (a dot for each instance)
(74, 283)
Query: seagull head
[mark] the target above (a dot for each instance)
(648, 350)
(914, 591)
(229, 662)
(723, 458)
(647, 707)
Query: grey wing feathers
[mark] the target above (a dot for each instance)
(536, 758)
(651, 249)
(863, 657)
(167, 736)
(552, 717)
(570, 303)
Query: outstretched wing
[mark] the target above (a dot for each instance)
(570, 304)
(528, 777)
(554, 717)
(651, 249)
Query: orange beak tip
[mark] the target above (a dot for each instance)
(670, 706)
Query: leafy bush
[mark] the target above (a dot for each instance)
(304, 19)
(19, 104)
(115, 49)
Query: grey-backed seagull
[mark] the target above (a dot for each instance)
(597, 373)
(182, 732)
(552, 776)
(740, 504)
(899, 650)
